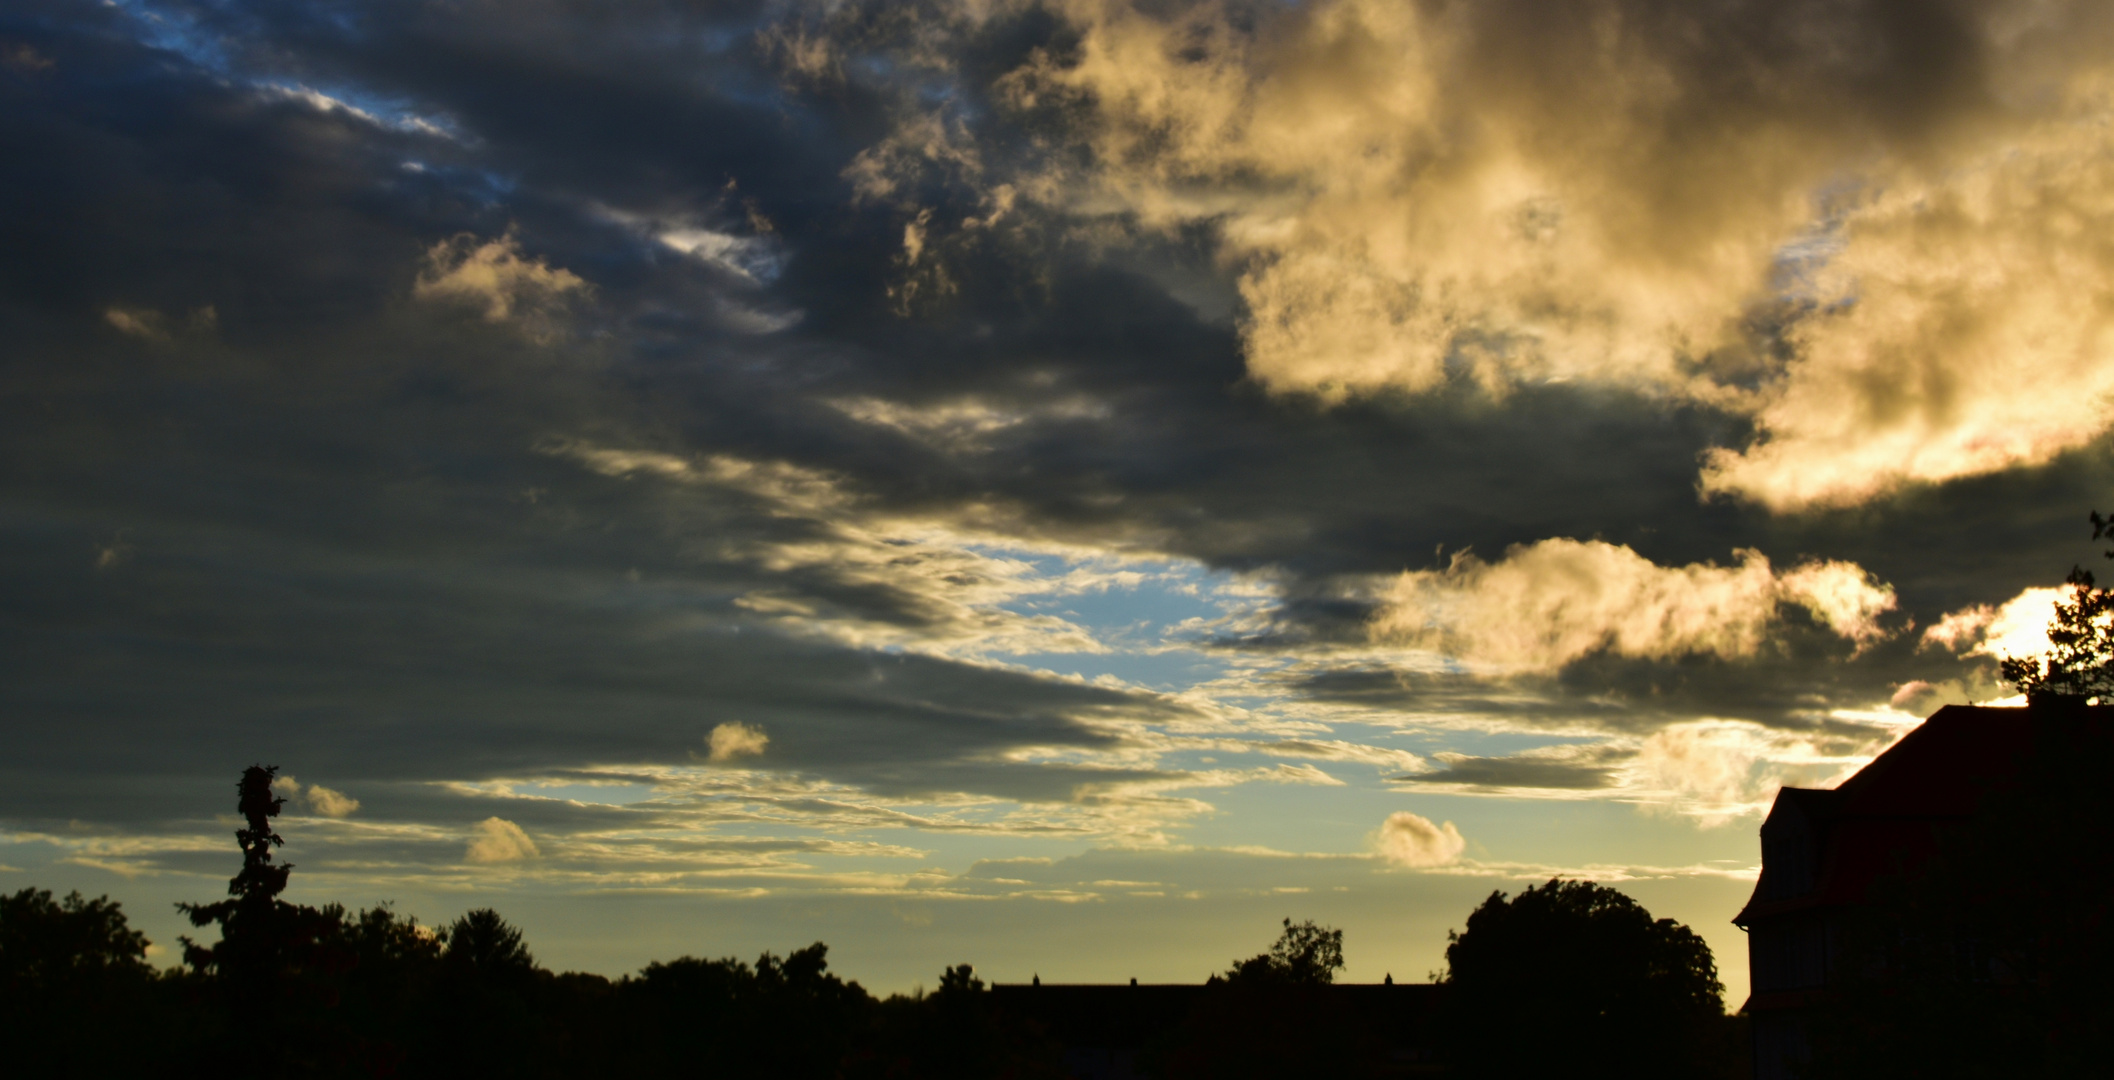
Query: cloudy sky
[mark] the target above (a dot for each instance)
(1053, 485)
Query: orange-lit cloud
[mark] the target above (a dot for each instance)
(1880, 236)
(497, 840)
(1556, 601)
(1407, 839)
(495, 276)
(736, 740)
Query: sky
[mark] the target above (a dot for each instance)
(1059, 486)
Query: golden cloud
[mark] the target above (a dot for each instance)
(1883, 238)
(735, 740)
(497, 840)
(1557, 601)
(1407, 839)
(495, 276)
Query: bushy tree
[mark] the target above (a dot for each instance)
(1578, 971)
(77, 997)
(1304, 953)
(45, 943)
(1270, 1016)
(483, 942)
(781, 1017)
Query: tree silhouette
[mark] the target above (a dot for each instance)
(77, 997)
(1579, 966)
(2080, 659)
(252, 928)
(44, 942)
(482, 942)
(277, 966)
(1270, 1016)
(1304, 953)
(783, 1017)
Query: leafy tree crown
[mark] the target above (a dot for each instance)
(1304, 953)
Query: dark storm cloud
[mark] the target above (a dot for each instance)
(322, 523)
(262, 502)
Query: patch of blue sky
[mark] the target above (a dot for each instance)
(606, 794)
(382, 110)
(483, 185)
(1169, 672)
(1131, 607)
(176, 31)
(1799, 262)
(179, 31)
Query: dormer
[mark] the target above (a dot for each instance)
(1794, 841)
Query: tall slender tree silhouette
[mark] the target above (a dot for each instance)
(243, 952)
(272, 956)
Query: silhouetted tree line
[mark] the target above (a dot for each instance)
(1564, 971)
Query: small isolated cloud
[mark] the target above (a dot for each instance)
(1556, 601)
(23, 60)
(497, 840)
(494, 275)
(153, 325)
(1959, 630)
(328, 802)
(138, 322)
(1407, 839)
(735, 740)
(315, 798)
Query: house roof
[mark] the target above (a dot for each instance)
(1886, 818)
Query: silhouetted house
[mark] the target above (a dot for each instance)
(1822, 851)
(1110, 1032)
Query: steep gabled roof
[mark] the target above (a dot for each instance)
(1886, 818)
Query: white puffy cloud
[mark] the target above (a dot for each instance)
(735, 740)
(330, 802)
(1407, 839)
(1556, 601)
(497, 840)
(317, 799)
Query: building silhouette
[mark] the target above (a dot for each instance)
(1116, 1031)
(1824, 851)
